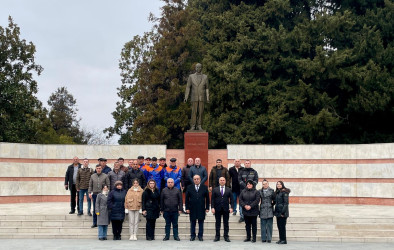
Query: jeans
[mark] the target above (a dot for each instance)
(82, 192)
(241, 215)
(281, 222)
(102, 231)
(266, 228)
(235, 196)
(94, 196)
(193, 228)
(171, 218)
(251, 221)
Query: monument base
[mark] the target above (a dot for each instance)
(196, 146)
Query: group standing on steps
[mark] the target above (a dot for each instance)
(154, 189)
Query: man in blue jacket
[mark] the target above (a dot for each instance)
(174, 172)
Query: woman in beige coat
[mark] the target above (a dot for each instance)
(133, 204)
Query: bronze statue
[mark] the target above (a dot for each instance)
(198, 83)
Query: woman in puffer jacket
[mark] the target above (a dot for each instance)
(281, 210)
(249, 200)
(133, 204)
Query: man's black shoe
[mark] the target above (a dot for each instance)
(79, 214)
(253, 240)
(217, 238)
(200, 239)
(227, 239)
(94, 225)
(71, 212)
(166, 238)
(268, 241)
(282, 242)
(89, 213)
(105, 238)
(177, 238)
(263, 241)
(241, 220)
(101, 238)
(246, 240)
(192, 238)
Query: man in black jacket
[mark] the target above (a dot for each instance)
(134, 173)
(69, 183)
(233, 171)
(171, 205)
(197, 205)
(222, 206)
(244, 175)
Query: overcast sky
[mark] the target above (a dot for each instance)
(78, 44)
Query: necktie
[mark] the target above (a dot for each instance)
(221, 191)
(197, 188)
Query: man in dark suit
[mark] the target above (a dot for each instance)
(222, 200)
(197, 205)
(70, 180)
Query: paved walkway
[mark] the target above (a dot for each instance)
(173, 245)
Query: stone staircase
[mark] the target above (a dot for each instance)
(324, 228)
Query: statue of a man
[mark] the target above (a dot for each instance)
(198, 83)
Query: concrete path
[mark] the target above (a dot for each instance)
(84, 244)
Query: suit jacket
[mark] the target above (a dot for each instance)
(198, 87)
(218, 201)
(197, 202)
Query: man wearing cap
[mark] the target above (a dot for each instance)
(199, 170)
(140, 161)
(115, 175)
(70, 181)
(103, 164)
(122, 166)
(96, 184)
(147, 168)
(134, 173)
(171, 205)
(174, 172)
(157, 173)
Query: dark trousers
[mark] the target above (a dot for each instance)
(193, 228)
(94, 197)
(251, 221)
(281, 223)
(74, 198)
(171, 218)
(150, 228)
(117, 227)
(218, 217)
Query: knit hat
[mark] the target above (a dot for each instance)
(118, 182)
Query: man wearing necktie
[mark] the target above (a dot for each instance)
(197, 205)
(222, 206)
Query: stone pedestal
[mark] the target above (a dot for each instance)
(196, 145)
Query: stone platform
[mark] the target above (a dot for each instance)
(308, 223)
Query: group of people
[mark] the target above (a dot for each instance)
(156, 189)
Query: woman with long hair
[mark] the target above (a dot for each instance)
(151, 208)
(133, 204)
(281, 210)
